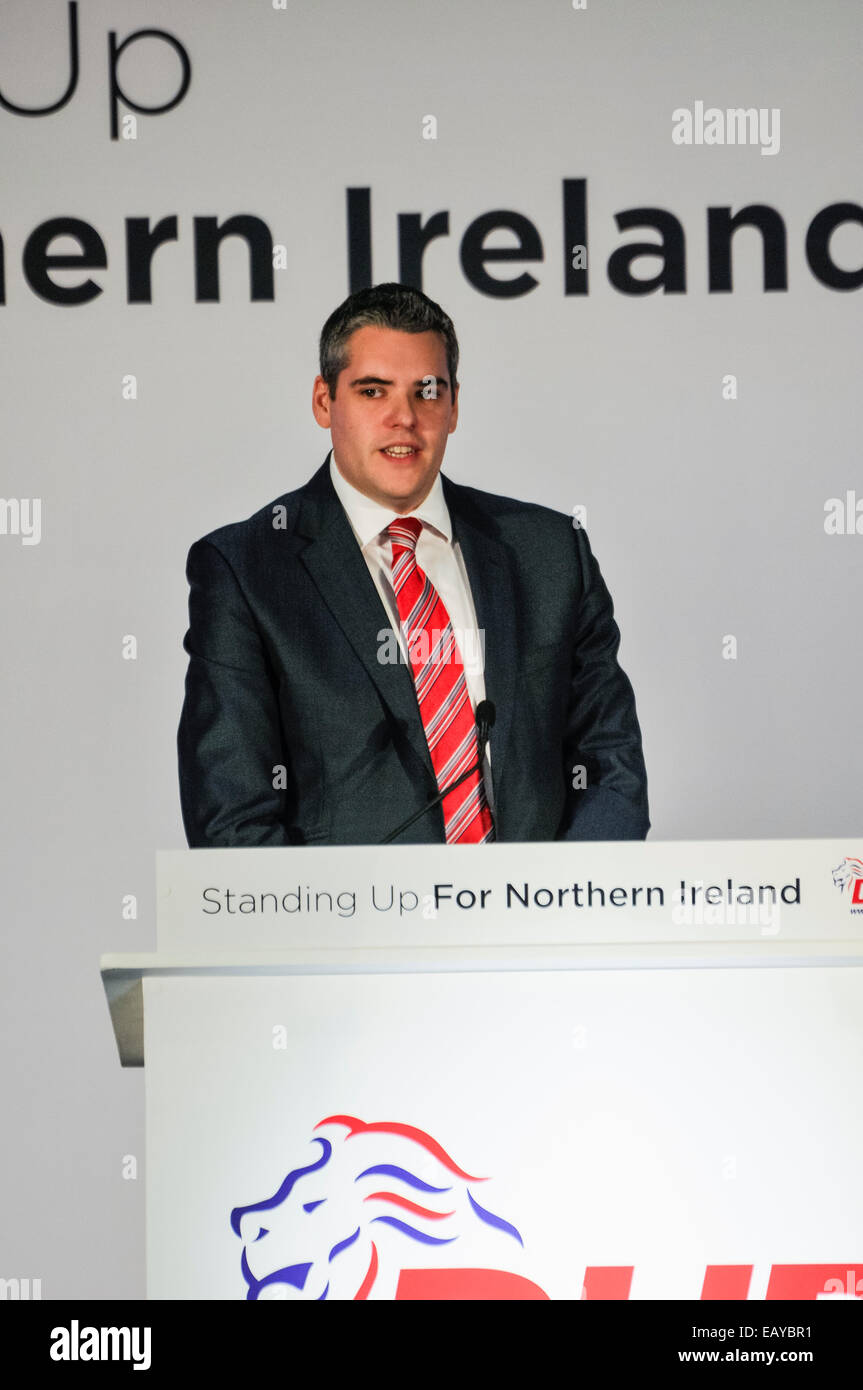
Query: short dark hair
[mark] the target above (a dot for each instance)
(384, 306)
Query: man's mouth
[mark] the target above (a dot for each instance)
(400, 451)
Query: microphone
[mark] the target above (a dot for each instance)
(484, 719)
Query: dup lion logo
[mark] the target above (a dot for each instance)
(848, 878)
(380, 1211)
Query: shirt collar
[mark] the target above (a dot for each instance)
(368, 518)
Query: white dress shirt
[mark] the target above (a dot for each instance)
(439, 557)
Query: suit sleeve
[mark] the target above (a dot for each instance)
(602, 731)
(229, 740)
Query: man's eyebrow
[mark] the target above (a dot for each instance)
(382, 381)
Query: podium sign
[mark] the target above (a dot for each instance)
(428, 895)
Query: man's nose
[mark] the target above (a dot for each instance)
(402, 408)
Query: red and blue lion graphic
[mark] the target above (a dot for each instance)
(848, 878)
(349, 1226)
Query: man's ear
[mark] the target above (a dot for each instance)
(321, 402)
(454, 421)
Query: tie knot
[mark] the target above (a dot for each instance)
(404, 531)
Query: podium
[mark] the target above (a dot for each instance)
(507, 1071)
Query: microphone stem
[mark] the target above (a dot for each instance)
(477, 767)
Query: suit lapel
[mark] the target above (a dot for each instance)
(335, 563)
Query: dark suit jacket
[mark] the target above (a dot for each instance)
(284, 633)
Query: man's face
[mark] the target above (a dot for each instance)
(379, 405)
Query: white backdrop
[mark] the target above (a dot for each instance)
(707, 514)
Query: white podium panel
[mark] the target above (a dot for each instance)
(601, 1132)
(506, 1071)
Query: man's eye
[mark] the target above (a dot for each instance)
(367, 390)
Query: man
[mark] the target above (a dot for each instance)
(341, 639)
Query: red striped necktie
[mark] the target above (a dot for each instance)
(442, 693)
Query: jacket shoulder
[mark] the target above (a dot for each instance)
(236, 535)
(280, 515)
(509, 512)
